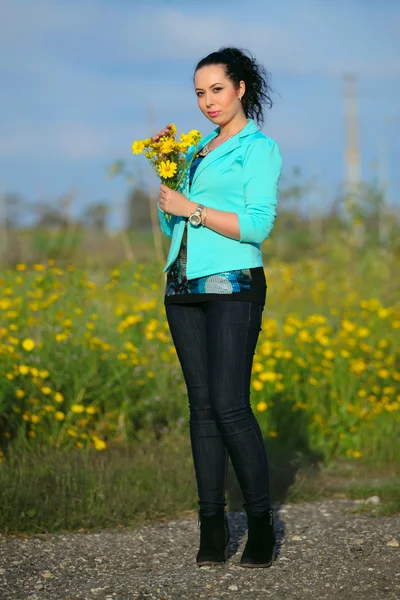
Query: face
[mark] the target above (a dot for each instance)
(217, 97)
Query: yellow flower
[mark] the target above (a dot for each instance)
(28, 344)
(61, 337)
(167, 169)
(91, 410)
(261, 406)
(389, 390)
(182, 146)
(167, 146)
(19, 394)
(257, 385)
(195, 136)
(363, 332)
(347, 325)
(35, 418)
(358, 366)
(58, 397)
(383, 373)
(99, 444)
(23, 369)
(78, 408)
(273, 434)
(268, 376)
(137, 147)
(304, 336)
(59, 415)
(46, 390)
(185, 141)
(21, 267)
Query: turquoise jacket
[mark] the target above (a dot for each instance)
(241, 175)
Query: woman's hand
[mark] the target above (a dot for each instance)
(156, 137)
(175, 203)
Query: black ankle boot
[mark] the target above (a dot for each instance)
(260, 547)
(214, 538)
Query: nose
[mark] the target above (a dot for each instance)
(208, 101)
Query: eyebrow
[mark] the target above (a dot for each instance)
(210, 85)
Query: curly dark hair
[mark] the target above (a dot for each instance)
(241, 65)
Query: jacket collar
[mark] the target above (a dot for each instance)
(224, 148)
(251, 127)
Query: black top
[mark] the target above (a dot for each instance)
(243, 284)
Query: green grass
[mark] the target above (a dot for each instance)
(353, 481)
(153, 479)
(49, 490)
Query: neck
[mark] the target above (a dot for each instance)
(233, 126)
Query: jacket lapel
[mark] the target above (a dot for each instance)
(224, 148)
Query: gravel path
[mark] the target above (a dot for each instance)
(325, 551)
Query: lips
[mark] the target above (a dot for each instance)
(214, 113)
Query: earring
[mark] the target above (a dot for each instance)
(240, 98)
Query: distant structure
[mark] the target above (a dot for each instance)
(353, 162)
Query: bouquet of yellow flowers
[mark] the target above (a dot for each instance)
(169, 156)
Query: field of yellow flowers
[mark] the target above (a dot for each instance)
(87, 360)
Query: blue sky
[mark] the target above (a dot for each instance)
(81, 80)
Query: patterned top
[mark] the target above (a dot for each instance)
(243, 284)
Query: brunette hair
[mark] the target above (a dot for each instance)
(241, 65)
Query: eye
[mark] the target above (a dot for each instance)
(217, 89)
(198, 93)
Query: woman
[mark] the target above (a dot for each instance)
(215, 295)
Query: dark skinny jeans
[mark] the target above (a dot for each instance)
(215, 342)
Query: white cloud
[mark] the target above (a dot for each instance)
(80, 79)
(65, 140)
(306, 37)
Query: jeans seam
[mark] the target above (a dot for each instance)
(245, 347)
(226, 473)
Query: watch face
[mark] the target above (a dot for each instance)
(195, 219)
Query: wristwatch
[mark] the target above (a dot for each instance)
(195, 217)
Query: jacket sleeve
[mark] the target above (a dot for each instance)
(262, 166)
(166, 226)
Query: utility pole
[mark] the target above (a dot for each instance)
(383, 183)
(3, 228)
(353, 162)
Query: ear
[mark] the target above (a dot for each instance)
(242, 87)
